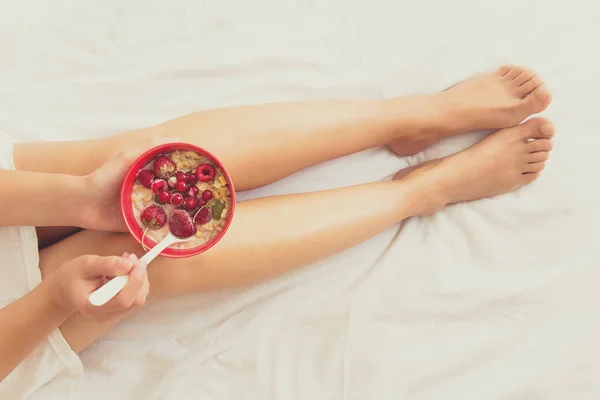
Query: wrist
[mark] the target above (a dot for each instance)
(81, 200)
(54, 298)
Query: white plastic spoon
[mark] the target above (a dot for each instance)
(110, 289)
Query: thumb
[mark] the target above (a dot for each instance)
(128, 156)
(118, 166)
(109, 266)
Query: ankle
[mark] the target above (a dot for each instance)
(426, 192)
(422, 117)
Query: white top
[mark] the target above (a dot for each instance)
(19, 273)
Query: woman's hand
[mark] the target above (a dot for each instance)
(102, 204)
(73, 282)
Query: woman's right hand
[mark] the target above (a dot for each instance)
(74, 281)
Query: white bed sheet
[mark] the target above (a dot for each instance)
(495, 299)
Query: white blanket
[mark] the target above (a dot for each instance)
(495, 299)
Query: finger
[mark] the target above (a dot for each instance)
(126, 254)
(130, 155)
(110, 266)
(128, 294)
(140, 299)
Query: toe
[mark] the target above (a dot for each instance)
(503, 70)
(534, 167)
(539, 99)
(537, 156)
(530, 177)
(523, 77)
(538, 145)
(513, 72)
(537, 128)
(526, 88)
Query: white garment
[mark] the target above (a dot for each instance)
(19, 273)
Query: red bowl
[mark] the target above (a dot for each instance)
(127, 205)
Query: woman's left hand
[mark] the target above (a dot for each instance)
(103, 187)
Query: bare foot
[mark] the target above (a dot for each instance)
(501, 163)
(492, 100)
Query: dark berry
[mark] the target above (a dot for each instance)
(181, 176)
(181, 187)
(190, 203)
(207, 195)
(193, 191)
(192, 179)
(176, 199)
(164, 196)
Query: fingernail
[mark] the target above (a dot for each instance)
(133, 257)
(125, 263)
(126, 254)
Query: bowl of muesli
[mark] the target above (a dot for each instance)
(178, 178)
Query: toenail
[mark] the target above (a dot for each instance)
(547, 129)
(543, 92)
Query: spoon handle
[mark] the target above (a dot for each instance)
(110, 289)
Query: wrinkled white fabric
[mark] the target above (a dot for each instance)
(495, 299)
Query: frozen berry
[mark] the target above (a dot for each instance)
(164, 196)
(181, 187)
(164, 167)
(205, 173)
(146, 177)
(154, 217)
(172, 181)
(192, 179)
(193, 191)
(207, 195)
(159, 185)
(201, 202)
(181, 224)
(181, 176)
(176, 199)
(203, 216)
(190, 203)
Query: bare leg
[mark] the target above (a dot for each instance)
(264, 143)
(247, 254)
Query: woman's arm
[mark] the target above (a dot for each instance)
(25, 323)
(38, 199)
(29, 320)
(90, 202)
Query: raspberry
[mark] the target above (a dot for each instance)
(181, 224)
(146, 177)
(205, 173)
(159, 185)
(154, 217)
(203, 216)
(164, 167)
